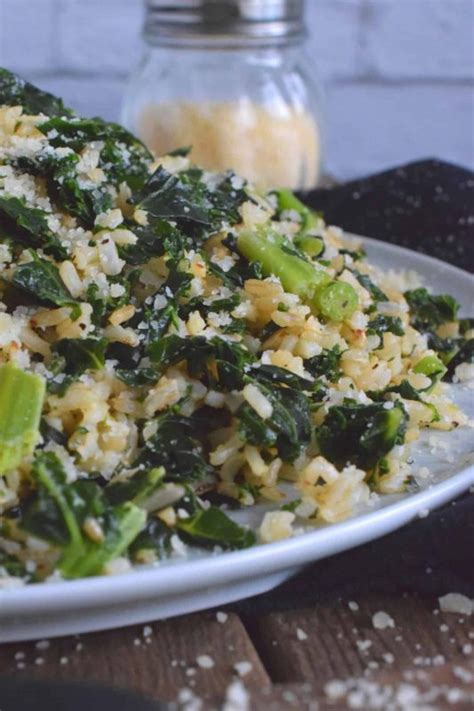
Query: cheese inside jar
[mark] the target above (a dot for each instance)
(230, 80)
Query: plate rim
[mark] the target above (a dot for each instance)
(261, 559)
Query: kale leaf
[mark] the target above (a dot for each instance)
(15, 91)
(154, 240)
(428, 311)
(176, 447)
(464, 355)
(325, 364)
(138, 489)
(155, 537)
(41, 279)
(381, 324)
(220, 363)
(186, 199)
(376, 293)
(81, 354)
(65, 188)
(122, 157)
(12, 566)
(212, 526)
(138, 377)
(58, 513)
(289, 426)
(361, 434)
(28, 226)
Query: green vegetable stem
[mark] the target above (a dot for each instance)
(310, 244)
(334, 300)
(21, 402)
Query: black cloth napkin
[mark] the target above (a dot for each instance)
(427, 206)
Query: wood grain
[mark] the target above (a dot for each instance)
(342, 643)
(158, 665)
(425, 653)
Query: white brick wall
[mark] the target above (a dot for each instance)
(399, 74)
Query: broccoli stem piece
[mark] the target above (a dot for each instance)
(288, 201)
(310, 244)
(83, 558)
(335, 300)
(432, 367)
(21, 402)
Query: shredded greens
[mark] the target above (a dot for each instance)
(175, 344)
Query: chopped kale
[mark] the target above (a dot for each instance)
(219, 362)
(154, 240)
(81, 354)
(325, 364)
(187, 200)
(41, 279)
(122, 157)
(138, 488)
(58, 513)
(211, 526)
(15, 91)
(138, 377)
(288, 427)
(428, 311)
(84, 200)
(28, 226)
(382, 324)
(376, 293)
(361, 434)
(14, 567)
(155, 538)
(176, 447)
(464, 355)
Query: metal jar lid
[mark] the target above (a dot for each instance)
(226, 22)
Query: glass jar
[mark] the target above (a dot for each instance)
(230, 79)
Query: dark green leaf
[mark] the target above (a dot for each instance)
(176, 447)
(428, 311)
(361, 434)
(29, 226)
(213, 526)
(325, 364)
(382, 324)
(82, 354)
(15, 91)
(41, 279)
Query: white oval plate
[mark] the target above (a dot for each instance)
(206, 579)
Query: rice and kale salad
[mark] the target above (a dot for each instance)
(174, 344)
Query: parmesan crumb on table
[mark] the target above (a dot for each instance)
(222, 617)
(301, 634)
(381, 621)
(363, 644)
(352, 605)
(43, 644)
(205, 661)
(457, 603)
(236, 698)
(243, 668)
